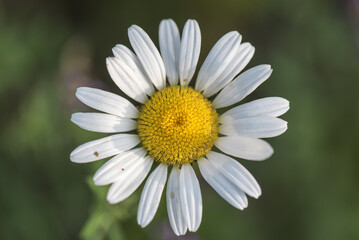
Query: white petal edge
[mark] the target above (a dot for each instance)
(124, 187)
(102, 122)
(189, 51)
(170, 43)
(151, 195)
(104, 147)
(148, 55)
(107, 102)
(173, 200)
(124, 54)
(227, 190)
(126, 79)
(122, 164)
(243, 85)
(235, 173)
(258, 127)
(218, 59)
(269, 106)
(191, 198)
(245, 147)
(244, 54)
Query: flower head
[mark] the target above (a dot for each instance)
(177, 125)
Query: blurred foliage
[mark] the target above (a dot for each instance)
(49, 48)
(103, 219)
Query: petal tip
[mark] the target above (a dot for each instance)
(73, 117)
(132, 27)
(109, 60)
(72, 159)
(110, 199)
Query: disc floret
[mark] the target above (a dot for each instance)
(177, 125)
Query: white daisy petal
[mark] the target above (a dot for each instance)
(258, 127)
(245, 147)
(125, 78)
(122, 164)
(102, 122)
(191, 198)
(244, 54)
(189, 51)
(218, 60)
(104, 147)
(151, 195)
(170, 42)
(243, 85)
(226, 189)
(174, 210)
(124, 54)
(148, 55)
(127, 184)
(270, 107)
(235, 173)
(107, 102)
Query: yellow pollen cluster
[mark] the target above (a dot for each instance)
(177, 125)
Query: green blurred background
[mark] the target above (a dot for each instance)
(49, 48)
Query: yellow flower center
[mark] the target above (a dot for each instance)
(177, 125)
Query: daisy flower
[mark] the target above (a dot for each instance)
(176, 125)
